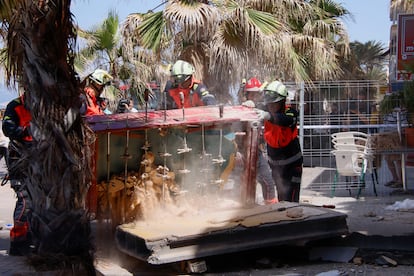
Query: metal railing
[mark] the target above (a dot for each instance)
(326, 108)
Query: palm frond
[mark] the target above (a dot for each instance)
(403, 6)
(194, 20)
(152, 30)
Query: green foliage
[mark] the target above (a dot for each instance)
(390, 101)
(226, 39)
(264, 21)
(151, 30)
(403, 98)
(408, 96)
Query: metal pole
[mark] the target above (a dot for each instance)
(108, 172)
(301, 113)
(182, 103)
(126, 157)
(146, 98)
(403, 174)
(108, 156)
(165, 106)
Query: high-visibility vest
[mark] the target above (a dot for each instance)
(279, 136)
(92, 105)
(24, 117)
(191, 95)
(19, 231)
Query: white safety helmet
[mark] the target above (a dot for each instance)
(181, 71)
(101, 77)
(275, 92)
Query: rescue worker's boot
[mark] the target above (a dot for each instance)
(271, 201)
(20, 248)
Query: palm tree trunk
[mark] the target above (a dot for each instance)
(41, 42)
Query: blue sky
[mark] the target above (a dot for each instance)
(370, 20)
(370, 17)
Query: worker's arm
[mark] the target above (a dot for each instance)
(11, 127)
(288, 118)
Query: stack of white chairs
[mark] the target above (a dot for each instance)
(354, 158)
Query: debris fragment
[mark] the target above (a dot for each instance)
(378, 218)
(329, 273)
(405, 205)
(370, 214)
(294, 213)
(384, 260)
(357, 261)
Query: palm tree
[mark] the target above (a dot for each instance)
(367, 61)
(324, 24)
(102, 45)
(104, 50)
(40, 45)
(403, 5)
(228, 40)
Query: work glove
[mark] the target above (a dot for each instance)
(208, 99)
(239, 159)
(249, 103)
(263, 115)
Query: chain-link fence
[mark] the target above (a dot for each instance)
(329, 107)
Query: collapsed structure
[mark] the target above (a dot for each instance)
(171, 185)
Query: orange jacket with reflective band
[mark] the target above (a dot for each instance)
(92, 105)
(191, 97)
(19, 231)
(24, 117)
(279, 136)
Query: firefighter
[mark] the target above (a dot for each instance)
(184, 89)
(253, 96)
(92, 103)
(4, 143)
(16, 123)
(251, 99)
(281, 136)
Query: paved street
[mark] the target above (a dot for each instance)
(7, 203)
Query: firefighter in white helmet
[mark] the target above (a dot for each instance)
(281, 136)
(94, 84)
(253, 97)
(184, 90)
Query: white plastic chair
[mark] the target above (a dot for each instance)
(349, 134)
(350, 138)
(356, 140)
(354, 157)
(349, 163)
